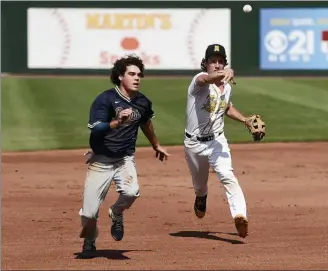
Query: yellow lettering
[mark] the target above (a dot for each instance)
(92, 20)
(145, 22)
(141, 22)
(322, 21)
(119, 20)
(106, 21)
(128, 21)
(277, 21)
(166, 22)
(150, 21)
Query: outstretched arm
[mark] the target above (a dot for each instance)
(234, 114)
(148, 130)
(257, 130)
(222, 75)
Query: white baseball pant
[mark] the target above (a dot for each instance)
(98, 180)
(215, 153)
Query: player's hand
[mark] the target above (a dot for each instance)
(124, 115)
(161, 153)
(89, 155)
(248, 123)
(228, 75)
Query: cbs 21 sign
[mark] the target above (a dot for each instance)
(294, 39)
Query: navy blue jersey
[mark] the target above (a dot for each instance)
(120, 141)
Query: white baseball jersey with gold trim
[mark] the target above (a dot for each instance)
(206, 106)
(205, 144)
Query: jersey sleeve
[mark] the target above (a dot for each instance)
(193, 87)
(149, 113)
(99, 111)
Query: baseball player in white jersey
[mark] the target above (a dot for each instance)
(205, 144)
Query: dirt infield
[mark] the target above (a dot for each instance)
(285, 186)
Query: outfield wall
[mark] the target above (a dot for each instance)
(296, 46)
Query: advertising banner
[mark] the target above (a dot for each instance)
(294, 39)
(93, 38)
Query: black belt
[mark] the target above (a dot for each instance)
(204, 138)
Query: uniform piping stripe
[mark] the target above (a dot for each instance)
(123, 96)
(93, 125)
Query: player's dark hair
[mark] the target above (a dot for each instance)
(203, 64)
(121, 64)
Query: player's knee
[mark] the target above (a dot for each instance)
(128, 197)
(227, 176)
(131, 192)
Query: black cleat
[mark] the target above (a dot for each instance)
(117, 229)
(88, 249)
(200, 206)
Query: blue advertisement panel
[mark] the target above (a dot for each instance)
(294, 39)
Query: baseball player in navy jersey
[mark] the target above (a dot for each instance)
(208, 101)
(115, 117)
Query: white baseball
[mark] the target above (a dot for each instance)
(247, 8)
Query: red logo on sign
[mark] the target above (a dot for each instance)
(130, 43)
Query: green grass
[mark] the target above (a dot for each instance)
(52, 113)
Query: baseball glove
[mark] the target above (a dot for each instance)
(256, 126)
